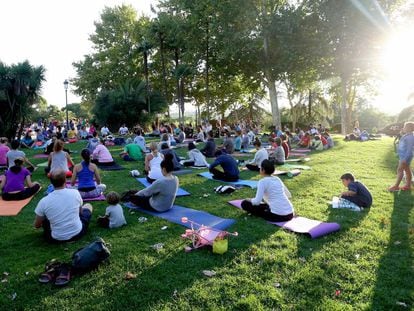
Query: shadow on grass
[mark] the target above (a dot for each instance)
(392, 292)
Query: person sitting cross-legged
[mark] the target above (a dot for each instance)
(276, 205)
(87, 174)
(230, 170)
(160, 196)
(61, 213)
(12, 183)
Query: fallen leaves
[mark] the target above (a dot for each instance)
(130, 276)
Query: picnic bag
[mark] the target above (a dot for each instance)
(90, 256)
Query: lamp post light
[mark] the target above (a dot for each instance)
(66, 85)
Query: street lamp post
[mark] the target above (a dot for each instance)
(66, 85)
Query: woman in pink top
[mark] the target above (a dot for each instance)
(101, 155)
(3, 151)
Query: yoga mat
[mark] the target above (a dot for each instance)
(182, 172)
(175, 214)
(100, 198)
(115, 167)
(12, 208)
(295, 166)
(301, 150)
(180, 192)
(297, 154)
(40, 156)
(314, 228)
(248, 183)
(298, 160)
(291, 173)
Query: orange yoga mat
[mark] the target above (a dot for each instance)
(12, 208)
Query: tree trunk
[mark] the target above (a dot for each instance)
(271, 82)
(182, 103)
(310, 105)
(177, 80)
(208, 68)
(147, 98)
(164, 73)
(344, 128)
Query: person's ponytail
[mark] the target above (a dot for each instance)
(86, 156)
(167, 163)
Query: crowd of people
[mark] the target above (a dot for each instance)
(64, 217)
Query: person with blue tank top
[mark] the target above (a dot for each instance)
(87, 175)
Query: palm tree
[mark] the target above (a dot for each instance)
(20, 86)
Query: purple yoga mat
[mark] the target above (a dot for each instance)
(41, 156)
(100, 198)
(314, 228)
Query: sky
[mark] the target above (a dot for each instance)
(55, 33)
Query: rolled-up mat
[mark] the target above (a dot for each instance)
(314, 228)
(247, 183)
(176, 213)
(180, 192)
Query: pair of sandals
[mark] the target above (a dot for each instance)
(57, 272)
(394, 188)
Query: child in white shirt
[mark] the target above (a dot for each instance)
(114, 215)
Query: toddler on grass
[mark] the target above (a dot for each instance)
(114, 215)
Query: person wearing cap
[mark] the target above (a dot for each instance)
(196, 158)
(12, 183)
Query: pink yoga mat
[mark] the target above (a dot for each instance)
(41, 156)
(299, 224)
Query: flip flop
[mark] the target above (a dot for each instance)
(64, 275)
(51, 271)
(393, 189)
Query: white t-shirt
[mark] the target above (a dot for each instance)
(140, 141)
(104, 131)
(275, 194)
(61, 208)
(116, 216)
(123, 130)
(259, 156)
(155, 167)
(13, 155)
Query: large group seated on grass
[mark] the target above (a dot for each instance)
(64, 217)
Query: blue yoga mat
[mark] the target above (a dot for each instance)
(248, 183)
(177, 212)
(180, 192)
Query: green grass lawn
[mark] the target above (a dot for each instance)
(368, 263)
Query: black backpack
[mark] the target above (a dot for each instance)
(89, 257)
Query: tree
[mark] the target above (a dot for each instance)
(20, 86)
(127, 104)
(116, 57)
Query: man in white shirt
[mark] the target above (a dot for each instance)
(61, 213)
(260, 155)
(123, 130)
(105, 131)
(140, 140)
